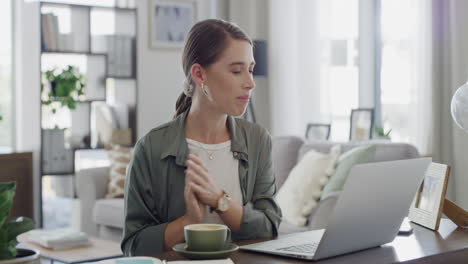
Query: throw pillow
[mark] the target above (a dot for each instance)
(119, 157)
(345, 162)
(301, 191)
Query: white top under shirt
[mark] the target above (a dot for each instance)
(223, 168)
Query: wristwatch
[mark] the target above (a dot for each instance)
(223, 203)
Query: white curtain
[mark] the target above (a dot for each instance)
(450, 71)
(294, 67)
(406, 75)
(421, 61)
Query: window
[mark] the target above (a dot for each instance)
(404, 64)
(405, 71)
(396, 68)
(6, 83)
(339, 72)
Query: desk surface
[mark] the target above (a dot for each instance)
(420, 244)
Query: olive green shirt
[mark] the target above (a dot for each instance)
(154, 189)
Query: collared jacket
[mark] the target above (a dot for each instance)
(154, 189)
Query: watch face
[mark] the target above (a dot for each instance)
(223, 204)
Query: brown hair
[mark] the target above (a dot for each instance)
(204, 45)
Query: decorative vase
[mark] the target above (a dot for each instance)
(53, 88)
(24, 256)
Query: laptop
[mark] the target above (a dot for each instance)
(375, 199)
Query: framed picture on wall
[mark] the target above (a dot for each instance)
(170, 22)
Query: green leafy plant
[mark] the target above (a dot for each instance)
(12, 228)
(381, 132)
(66, 87)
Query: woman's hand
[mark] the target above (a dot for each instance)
(195, 210)
(203, 185)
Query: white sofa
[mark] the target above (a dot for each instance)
(105, 217)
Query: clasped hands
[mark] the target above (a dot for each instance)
(200, 189)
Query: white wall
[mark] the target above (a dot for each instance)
(27, 92)
(160, 73)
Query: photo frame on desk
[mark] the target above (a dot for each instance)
(428, 204)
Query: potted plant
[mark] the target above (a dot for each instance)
(66, 87)
(381, 133)
(66, 90)
(12, 228)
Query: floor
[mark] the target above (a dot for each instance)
(57, 197)
(56, 212)
(59, 191)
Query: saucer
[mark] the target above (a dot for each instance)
(180, 248)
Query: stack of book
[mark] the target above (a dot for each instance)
(61, 238)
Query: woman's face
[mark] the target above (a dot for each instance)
(230, 79)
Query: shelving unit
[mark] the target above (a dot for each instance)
(102, 42)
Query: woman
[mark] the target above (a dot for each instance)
(205, 166)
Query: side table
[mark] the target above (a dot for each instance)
(98, 250)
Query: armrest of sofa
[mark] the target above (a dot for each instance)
(91, 185)
(321, 215)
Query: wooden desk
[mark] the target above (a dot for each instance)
(423, 246)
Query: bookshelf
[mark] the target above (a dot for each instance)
(101, 41)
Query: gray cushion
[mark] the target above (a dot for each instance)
(109, 212)
(346, 161)
(284, 155)
(385, 151)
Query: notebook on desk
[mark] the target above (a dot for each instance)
(375, 199)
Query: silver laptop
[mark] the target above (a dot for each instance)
(369, 211)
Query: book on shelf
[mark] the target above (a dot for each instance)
(49, 31)
(52, 39)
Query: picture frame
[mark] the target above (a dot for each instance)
(361, 123)
(428, 204)
(170, 22)
(318, 132)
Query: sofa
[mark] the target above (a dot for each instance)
(104, 218)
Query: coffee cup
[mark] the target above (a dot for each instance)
(207, 237)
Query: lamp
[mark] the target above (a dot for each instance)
(260, 56)
(459, 109)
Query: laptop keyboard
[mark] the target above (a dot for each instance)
(308, 248)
